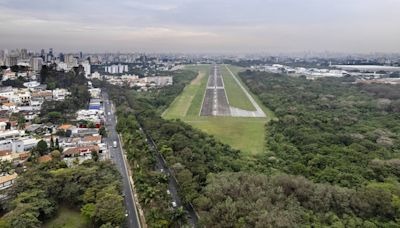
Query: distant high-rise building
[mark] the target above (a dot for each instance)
(120, 69)
(2, 56)
(24, 54)
(43, 55)
(70, 60)
(61, 57)
(12, 60)
(36, 63)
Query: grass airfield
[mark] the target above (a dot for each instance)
(244, 133)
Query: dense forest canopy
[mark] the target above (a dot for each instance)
(92, 187)
(331, 131)
(75, 82)
(230, 190)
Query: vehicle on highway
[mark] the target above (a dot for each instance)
(173, 204)
(115, 145)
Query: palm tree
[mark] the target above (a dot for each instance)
(179, 217)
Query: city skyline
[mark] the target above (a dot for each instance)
(201, 26)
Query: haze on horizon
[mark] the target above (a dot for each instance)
(229, 26)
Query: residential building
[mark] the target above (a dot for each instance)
(36, 63)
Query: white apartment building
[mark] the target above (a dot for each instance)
(60, 94)
(86, 67)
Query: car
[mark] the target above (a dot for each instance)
(115, 144)
(168, 192)
(109, 113)
(162, 170)
(173, 204)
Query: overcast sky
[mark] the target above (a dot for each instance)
(362, 26)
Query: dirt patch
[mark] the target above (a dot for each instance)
(197, 80)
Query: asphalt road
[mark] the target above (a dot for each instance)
(116, 156)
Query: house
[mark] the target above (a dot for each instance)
(24, 155)
(36, 128)
(6, 155)
(91, 139)
(65, 127)
(42, 96)
(4, 100)
(29, 115)
(7, 181)
(10, 106)
(81, 151)
(60, 94)
(95, 92)
(24, 98)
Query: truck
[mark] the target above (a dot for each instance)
(115, 144)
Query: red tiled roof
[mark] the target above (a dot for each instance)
(78, 150)
(45, 158)
(91, 138)
(5, 152)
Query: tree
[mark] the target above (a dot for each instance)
(107, 225)
(179, 217)
(25, 220)
(5, 166)
(21, 121)
(95, 156)
(51, 143)
(57, 144)
(91, 125)
(102, 131)
(110, 208)
(54, 117)
(42, 147)
(89, 211)
(56, 155)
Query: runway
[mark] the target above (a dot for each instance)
(216, 103)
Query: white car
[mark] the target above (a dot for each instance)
(173, 204)
(168, 192)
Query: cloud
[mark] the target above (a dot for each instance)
(202, 25)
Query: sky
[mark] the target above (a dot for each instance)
(191, 26)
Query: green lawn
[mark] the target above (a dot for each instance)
(190, 101)
(267, 111)
(245, 134)
(236, 97)
(67, 218)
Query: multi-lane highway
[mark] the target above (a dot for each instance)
(116, 155)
